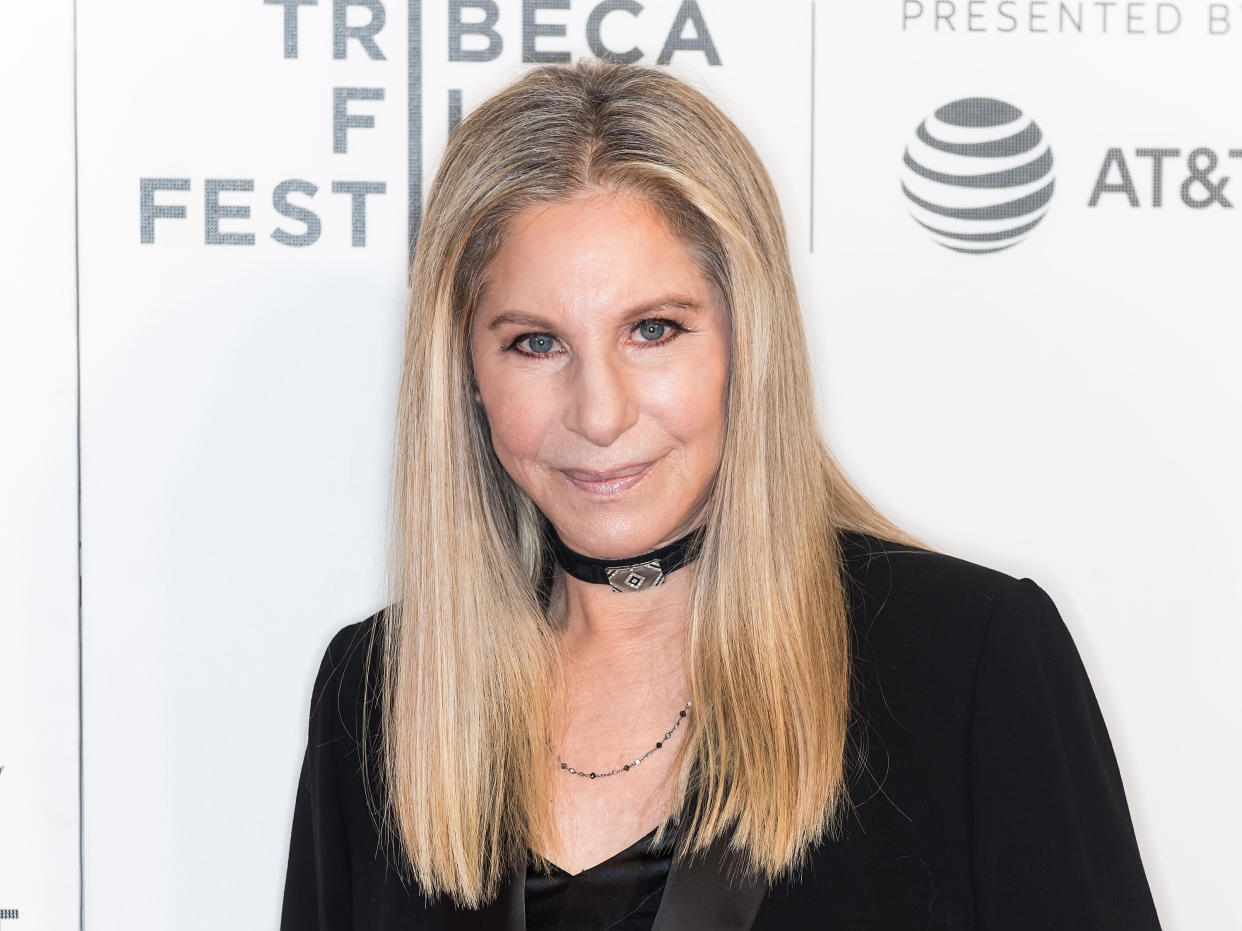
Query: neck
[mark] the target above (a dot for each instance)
(626, 637)
(633, 642)
(594, 617)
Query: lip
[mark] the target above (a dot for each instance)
(612, 482)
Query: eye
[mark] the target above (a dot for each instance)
(651, 330)
(654, 331)
(659, 331)
(540, 344)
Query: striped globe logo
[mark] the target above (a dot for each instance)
(978, 175)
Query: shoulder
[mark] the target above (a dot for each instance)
(348, 668)
(886, 576)
(944, 648)
(941, 615)
(882, 566)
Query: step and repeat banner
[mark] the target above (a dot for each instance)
(1016, 232)
(39, 714)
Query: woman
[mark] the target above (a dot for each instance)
(651, 661)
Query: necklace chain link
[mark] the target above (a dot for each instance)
(627, 766)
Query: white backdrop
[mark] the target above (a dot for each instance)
(1066, 408)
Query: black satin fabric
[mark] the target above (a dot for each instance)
(620, 894)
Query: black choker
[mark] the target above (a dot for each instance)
(625, 574)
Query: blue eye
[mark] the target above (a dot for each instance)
(653, 329)
(540, 343)
(656, 331)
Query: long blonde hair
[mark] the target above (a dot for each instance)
(468, 652)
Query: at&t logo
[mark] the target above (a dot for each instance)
(978, 175)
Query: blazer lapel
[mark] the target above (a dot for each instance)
(699, 894)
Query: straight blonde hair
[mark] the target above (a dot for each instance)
(469, 655)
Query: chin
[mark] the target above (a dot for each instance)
(614, 536)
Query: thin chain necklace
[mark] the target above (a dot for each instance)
(621, 769)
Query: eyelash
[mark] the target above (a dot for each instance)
(675, 328)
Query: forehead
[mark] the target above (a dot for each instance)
(594, 252)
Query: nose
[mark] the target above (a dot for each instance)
(602, 403)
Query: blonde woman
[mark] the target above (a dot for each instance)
(650, 660)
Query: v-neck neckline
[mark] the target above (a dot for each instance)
(701, 892)
(558, 870)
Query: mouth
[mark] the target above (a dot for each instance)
(610, 483)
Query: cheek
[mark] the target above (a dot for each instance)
(519, 418)
(689, 402)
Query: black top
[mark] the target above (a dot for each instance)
(620, 894)
(986, 791)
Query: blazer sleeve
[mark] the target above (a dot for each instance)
(1053, 845)
(317, 894)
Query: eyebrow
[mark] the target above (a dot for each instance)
(640, 310)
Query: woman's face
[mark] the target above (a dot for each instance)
(601, 355)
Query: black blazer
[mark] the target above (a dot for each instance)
(988, 795)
